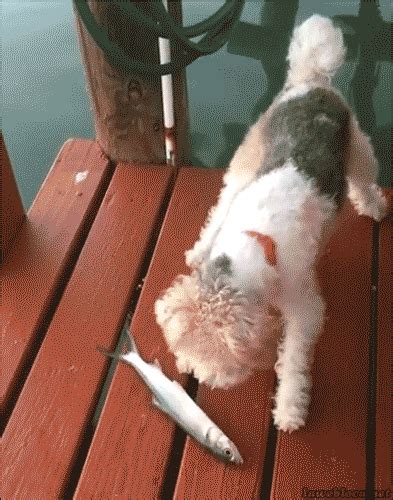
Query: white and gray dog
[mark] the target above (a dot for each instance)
(253, 267)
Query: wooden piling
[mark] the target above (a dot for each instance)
(11, 210)
(127, 108)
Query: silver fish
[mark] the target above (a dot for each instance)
(170, 397)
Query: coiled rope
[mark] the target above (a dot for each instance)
(215, 32)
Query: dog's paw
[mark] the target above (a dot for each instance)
(377, 208)
(380, 207)
(291, 403)
(193, 258)
(289, 420)
(371, 203)
(183, 366)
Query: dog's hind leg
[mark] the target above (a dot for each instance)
(362, 171)
(303, 314)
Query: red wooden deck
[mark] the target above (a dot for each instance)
(90, 251)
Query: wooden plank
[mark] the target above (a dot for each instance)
(45, 249)
(203, 476)
(11, 210)
(330, 451)
(243, 412)
(132, 447)
(383, 470)
(41, 441)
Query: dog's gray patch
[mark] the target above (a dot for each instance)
(313, 130)
(223, 263)
(216, 273)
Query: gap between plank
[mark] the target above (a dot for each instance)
(372, 367)
(40, 333)
(270, 456)
(81, 454)
(179, 439)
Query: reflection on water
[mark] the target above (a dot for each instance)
(44, 96)
(45, 101)
(267, 43)
(248, 73)
(373, 36)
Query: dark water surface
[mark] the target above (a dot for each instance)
(45, 100)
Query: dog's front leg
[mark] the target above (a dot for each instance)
(303, 320)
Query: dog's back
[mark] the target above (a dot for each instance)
(313, 131)
(308, 123)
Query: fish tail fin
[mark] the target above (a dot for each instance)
(131, 345)
(109, 354)
(130, 342)
(127, 334)
(119, 356)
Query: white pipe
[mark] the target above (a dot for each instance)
(167, 99)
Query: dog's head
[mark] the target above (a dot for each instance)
(214, 330)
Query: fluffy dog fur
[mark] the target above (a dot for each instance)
(287, 180)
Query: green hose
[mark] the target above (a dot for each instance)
(215, 30)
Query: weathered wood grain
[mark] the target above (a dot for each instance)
(383, 452)
(43, 435)
(243, 413)
(127, 108)
(11, 209)
(132, 447)
(330, 450)
(44, 251)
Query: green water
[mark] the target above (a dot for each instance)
(45, 100)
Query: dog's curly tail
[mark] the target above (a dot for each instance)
(316, 50)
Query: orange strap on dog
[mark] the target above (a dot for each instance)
(268, 245)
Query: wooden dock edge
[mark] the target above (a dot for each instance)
(43, 255)
(12, 213)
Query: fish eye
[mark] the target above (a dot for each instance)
(227, 452)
